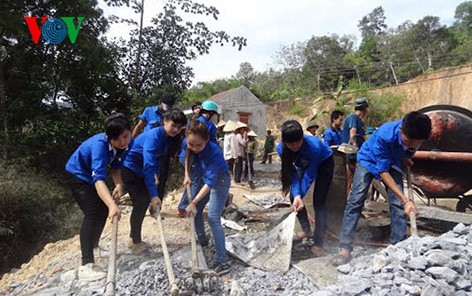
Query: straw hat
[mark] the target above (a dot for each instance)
(230, 126)
(239, 124)
(221, 123)
(251, 134)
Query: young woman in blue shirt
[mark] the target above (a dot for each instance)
(88, 168)
(142, 167)
(304, 160)
(214, 188)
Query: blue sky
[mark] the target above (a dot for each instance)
(267, 24)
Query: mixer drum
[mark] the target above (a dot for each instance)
(451, 132)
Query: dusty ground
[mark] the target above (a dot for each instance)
(64, 255)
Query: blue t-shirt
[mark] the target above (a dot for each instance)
(354, 121)
(143, 158)
(152, 117)
(333, 137)
(307, 160)
(211, 129)
(211, 163)
(383, 149)
(90, 161)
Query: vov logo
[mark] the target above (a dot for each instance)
(54, 30)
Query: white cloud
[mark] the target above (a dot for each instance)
(269, 23)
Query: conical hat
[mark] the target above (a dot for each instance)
(239, 124)
(230, 126)
(251, 134)
(221, 123)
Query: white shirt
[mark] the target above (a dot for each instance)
(229, 150)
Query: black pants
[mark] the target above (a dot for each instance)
(266, 155)
(322, 184)
(164, 163)
(95, 216)
(249, 165)
(140, 197)
(238, 169)
(230, 163)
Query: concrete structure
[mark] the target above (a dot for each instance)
(240, 104)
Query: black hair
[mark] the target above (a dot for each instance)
(335, 115)
(269, 132)
(360, 108)
(292, 131)
(115, 124)
(196, 104)
(416, 126)
(178, 117)
(203, 111)
(168, 99)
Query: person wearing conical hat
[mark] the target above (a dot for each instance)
(229, 149)
(240, 140)
(251, 150)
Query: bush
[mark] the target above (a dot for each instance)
(36, 209)
(383, 108)
(297, 110)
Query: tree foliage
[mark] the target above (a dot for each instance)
(385, 56)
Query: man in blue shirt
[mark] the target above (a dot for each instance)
(333, 135)
(153, 117)
(354, 134)
(382, 157)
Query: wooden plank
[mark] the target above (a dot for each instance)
(429, 212)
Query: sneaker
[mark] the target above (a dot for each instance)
(138, 248)
(222, 268)
(100, 252)
(90, 272)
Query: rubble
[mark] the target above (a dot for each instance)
(417, 266)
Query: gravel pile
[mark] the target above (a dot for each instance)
(417, 266)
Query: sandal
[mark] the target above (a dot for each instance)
(341, 260)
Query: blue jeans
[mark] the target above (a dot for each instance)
(320, 192)
(193, 178)
(217, 197)
(355, 203)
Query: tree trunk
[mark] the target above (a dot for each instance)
(430, 59)
(419, 63)
(140, 41)
(4, 114)
(358, 75)
(393, 72)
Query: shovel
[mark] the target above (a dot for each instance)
(251, 182)
(174, 290)
(414, 229)
(110, 288)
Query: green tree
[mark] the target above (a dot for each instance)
(36, 80)
(166, 46)
(245, 74)
(326, 62)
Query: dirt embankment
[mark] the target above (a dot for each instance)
(451, 86)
